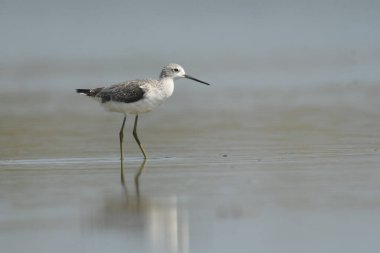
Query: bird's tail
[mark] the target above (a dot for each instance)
(84, 91)
(89, 92)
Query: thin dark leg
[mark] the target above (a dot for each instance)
(121, 135)
(137, 138)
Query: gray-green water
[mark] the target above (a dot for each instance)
(293, 170)
(280, 154)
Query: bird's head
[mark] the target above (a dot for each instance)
(175, 71)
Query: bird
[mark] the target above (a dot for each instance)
(137, 96)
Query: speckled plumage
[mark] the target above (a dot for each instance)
(137, 96)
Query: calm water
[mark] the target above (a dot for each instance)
(292, 170)
(280, 154)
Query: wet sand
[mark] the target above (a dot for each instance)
(250, 169)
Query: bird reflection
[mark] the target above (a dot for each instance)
(157, 222)
(137, 177)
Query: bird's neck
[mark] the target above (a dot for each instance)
(167, 85)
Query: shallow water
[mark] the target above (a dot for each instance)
(290, 169)
(280, 154)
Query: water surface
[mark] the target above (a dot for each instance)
(292, 170)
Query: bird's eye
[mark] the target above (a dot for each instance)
(176, 70)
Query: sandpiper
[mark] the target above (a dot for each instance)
(137, 96)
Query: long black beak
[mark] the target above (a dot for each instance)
(192, 78)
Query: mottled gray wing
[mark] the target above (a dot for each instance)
(126, 92)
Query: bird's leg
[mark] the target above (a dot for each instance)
(121, 135)
(137, 138)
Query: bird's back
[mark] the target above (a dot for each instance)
(126, 92)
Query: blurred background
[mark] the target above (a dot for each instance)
(280, 153)
(59, 45)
